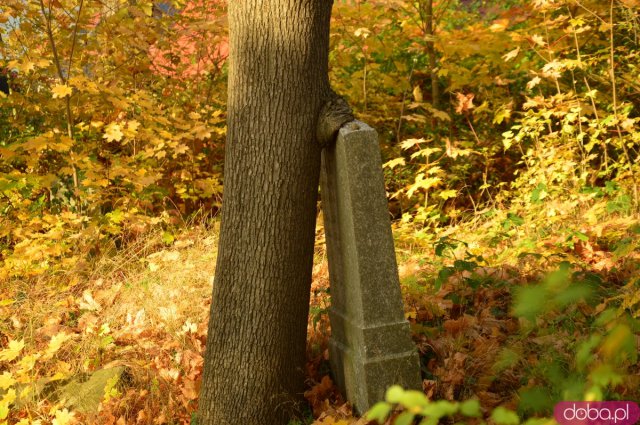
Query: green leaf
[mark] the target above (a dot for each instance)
(584, 355)
(539, 193)
(440, 409)
(503, 416)
(443, 275)
(414, 399)
(461, 265)
(530, 301)
(394, 394)
(573, 294)
(379, 412)
(470, 408)
(167, 238)
(404, 418)
(429, 421)
(536, 399)
(512, 220)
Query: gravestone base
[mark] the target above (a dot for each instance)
(383, 356)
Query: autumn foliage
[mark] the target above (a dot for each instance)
(510, 136)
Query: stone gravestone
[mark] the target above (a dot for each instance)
(370, 345)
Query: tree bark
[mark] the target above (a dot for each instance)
(431, 52)
(254, 362)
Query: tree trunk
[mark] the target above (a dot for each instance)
(254, 363)
(431, 52)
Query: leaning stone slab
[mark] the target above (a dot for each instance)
(85, 394)
(370, 345)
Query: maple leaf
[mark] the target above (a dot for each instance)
(13, 351)
(88, 303)
(393, 163)
(130, 131)
(113, 132)
(55, 344)
(538, 40)
(26, 66)
(465, 102)
(6, 380)
(499, 25)
(407, 144)
(362, 32)
(511, 55)
(64, 417)
(534, 82)
(61, 90)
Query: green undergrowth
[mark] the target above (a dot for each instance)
(519, 308)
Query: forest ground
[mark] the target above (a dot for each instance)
(146, 308)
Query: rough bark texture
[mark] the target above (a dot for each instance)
(257, 330)
(335, 113)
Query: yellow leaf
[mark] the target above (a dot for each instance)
(132, 128)
(512, 54)
(9, 397)
(6, 380)
(27, 363)
(88, 302)
(499, 25)
(63, 417)
(534, 82)
(362, 32)
(417, 94)
(446, 194)
(4, 410)
(55, 344)
(605, 27)
(409, 143)
(147, 8)
(201, 132)
(393, 163)
(61, 90)
(26, 66)
(13, 351)
(538, 40)
(113, 132)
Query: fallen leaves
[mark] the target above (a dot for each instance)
(12, 351)
(63, 417)
(55, 344)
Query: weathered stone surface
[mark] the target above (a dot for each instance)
(82, 392)
(370, 347)
(86, 394)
